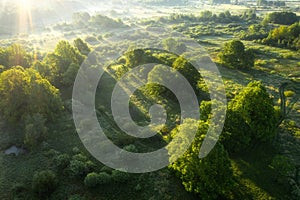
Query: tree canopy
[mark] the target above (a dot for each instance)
(250, 118)
(284, 36)
(234, 55)
(24, 92)
(209, 177)
(65, 56)
(14, 55)
(284, 18)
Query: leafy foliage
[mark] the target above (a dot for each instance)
(25, 92)
(209, 177)
(14, 55)
(284, 18)
(234, 55)
(284, 36)
(251, 117)
(283, 165)
(44, 183)
(82, 47)
(64, 61)
(120, 177)
(35, 130)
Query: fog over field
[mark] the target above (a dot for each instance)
(149, 99)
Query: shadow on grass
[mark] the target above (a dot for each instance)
(256, 179)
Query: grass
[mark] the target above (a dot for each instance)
(254, 174)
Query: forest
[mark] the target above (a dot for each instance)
(255, 51)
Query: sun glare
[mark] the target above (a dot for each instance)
(25, 18)
(26, 4)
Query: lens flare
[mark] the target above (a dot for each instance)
(25, 17)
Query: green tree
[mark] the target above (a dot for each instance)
(255, 107)
(284, 36)
(15, 55)
(234, 55)
(206, 14)
(173, 45)
(92, 180)
(44, 183)
(63, 57)
(13, 91)
(35, 130)
(209, 177)
(187, 70)
(44, 69)
(284, 18)
(3, 57)
(82, 47)
(18, 56)
(236, 136)
(24, 92)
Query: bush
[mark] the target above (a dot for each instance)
(19, 190)
(78, 168)
(104, 178)
(35, 130)
(44, 183)
(119, 176)
(92, 180)
(283, 165)
(62, 161)
(289, 93)
(234, 55)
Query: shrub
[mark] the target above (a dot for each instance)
(104, 178)
(35, 130)
(106, 169)
(282, 165)
(62, 161)
(119, 176)
(44, 183)
(78, 168)
(19, 190)
(92, 180)
(234, 55)
(289, 93)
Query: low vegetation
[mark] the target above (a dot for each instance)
(256, 157)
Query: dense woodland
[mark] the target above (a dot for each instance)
(249, 161)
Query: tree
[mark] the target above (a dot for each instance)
(206, 14)
(255, 106)
(35, 130)
(82, 47)
(209, 177)
(236, 136)
(92, 180)
(63, 57)
(234, 55)
(18, 56)
(284, 36)
(187, 70)
(284, 18)
(13, 85)
(44, 183)
(44, 70)
(14, 55)
(24, 92)
(174, 46)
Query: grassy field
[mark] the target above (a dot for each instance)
(253, 174)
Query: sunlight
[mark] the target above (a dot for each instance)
(25, 18)
(26, 4)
